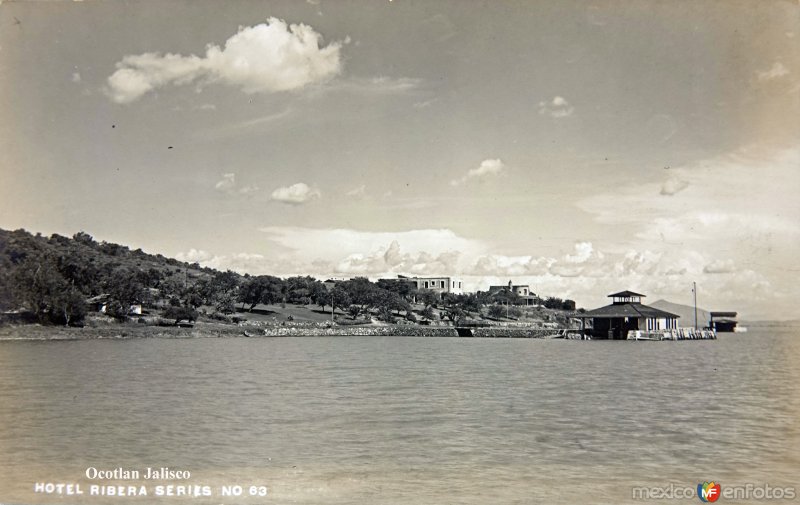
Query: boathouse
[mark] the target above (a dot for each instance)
(626, 313)
(723, 321)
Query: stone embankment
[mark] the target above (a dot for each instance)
(356, 331)
(298, 330)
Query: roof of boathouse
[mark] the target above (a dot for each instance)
(626, 294)
(627, 304)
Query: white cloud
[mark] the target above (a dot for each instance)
(227, 182)
(229, 185)
(490, 167)
(374, 85)
(777, 70)
(296, 194)
(557, 108)
(76, 77)
(358, 192)
(720, 267)
(194, 256)
(374, 253)
(424, 104)
(583, 251)
(269, 57)
(742, 205)
(673, 185)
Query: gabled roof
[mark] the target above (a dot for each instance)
(633, 309)
(625, 294)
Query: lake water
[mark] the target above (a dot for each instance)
(402, 420)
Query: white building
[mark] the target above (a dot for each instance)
(437, 284)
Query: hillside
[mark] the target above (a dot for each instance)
(53, 277)
(685, 311)
(62, 280)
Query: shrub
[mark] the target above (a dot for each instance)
(181, 314)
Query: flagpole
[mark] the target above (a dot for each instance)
(694, 292)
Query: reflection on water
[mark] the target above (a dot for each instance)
(403, 420)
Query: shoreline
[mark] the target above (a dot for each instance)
(35, 332)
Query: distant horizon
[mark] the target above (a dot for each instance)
(581, 148)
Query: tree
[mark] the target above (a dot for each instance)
(553, 303)
(407, 289)
(319, 294)
(70, 306)
(473, 302)
(454, 314)
(497, 311)
(299, 289)
(84, 239)
(340, 298)
(506, 296)
(427, 297)
(388, 301)
(124, 288)
(181, 314)
(265, 289)
(40, 287)
(361, 291)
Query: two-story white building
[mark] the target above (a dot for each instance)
(437, 284)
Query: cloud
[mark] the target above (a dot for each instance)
(194, 256)
(557, 108)
(76, 77)
(229, 185)
(266, 58)
(381, 85)
(390, 260)
(720, 267)
(776, 71)
(490, 167)
(673, 185)
(583, 251)
(296, 194)
(424, 104)
(358, 192)
(375, 252)
(742, 204)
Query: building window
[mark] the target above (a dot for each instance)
(442, 284)
(426, 284)
(459, 284)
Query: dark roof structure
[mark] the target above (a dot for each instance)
(625, 294)
(631, 309)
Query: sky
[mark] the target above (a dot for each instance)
(580, 147)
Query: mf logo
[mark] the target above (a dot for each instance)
(708, 491)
